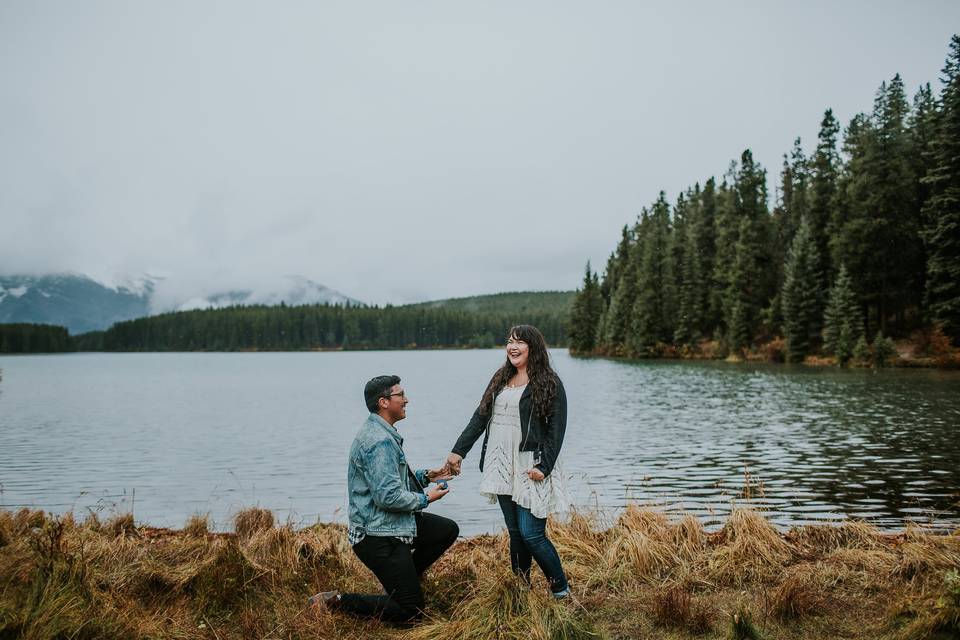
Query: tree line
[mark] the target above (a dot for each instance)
(863, 243)
(34, 338)
(318, 327)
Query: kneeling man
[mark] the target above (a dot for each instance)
(389, 531)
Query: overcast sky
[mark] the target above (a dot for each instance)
(402, 151)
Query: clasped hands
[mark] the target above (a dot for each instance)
(451, 468)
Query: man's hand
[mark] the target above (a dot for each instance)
(437, 492)
(443, 473)
(453, 463)
(535, 474)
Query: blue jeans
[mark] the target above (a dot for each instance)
(528, 542)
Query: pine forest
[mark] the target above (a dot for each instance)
(862, 245)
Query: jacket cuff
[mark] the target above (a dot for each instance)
(424, 501)
(542, 468)
(422, 478)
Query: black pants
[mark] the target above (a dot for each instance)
(399, 566)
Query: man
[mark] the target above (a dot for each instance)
(388, 530)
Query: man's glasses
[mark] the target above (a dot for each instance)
(402, 394)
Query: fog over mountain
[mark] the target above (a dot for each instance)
(81, 304)
(398, 151)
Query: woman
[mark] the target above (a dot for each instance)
(523, 414)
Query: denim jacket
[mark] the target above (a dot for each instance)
(384, 492)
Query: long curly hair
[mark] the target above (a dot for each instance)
(543, 379)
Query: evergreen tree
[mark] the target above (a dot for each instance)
(883, 350)
(653, 309)
(751, 281)
(923, 131)
(617, 319)
(794, 188)
(616, 265)
(824, 172)
(727, 228)
(801, 294)
(691, 294)
(705, 229)
(616, 327)
(942, 209)
(902, 279)
(786, 218)
(880, 238)
(585, 314)
(843, 320)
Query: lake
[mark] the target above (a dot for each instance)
(168, 435)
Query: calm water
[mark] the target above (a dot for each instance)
(170, 435)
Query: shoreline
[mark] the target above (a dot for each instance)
(772, 352)
(821, 362)
(646, 575)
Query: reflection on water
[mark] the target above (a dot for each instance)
(814, 444)
(169, 435)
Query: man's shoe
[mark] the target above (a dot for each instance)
(325, 599)
(561, 595)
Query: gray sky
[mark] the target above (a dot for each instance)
(401, 151)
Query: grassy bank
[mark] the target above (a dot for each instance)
(644, 577)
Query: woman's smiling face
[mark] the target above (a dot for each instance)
(517, 352)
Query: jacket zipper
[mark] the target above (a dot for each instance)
(529, 422)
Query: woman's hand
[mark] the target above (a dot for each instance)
(453, 464)
(535, 474)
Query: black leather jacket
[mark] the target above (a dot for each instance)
(542, 436)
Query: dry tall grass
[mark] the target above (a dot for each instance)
(646, 575)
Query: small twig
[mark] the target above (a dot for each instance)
(262, 573)
(215, 634)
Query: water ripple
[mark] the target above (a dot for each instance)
(170, 435)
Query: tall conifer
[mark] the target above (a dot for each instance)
(943, 206)
(824, 172)
(843, 319)
(751, 281)
(727, 229)
(706, 231)
(653, 310)
(585, 314)
(800, 294)
(691, 293)
(617, 321)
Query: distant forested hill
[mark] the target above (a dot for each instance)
(34, 338)
(520, 302)
(481, 321)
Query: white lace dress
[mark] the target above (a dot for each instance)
(505, 466)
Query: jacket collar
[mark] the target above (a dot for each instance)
(377, 420)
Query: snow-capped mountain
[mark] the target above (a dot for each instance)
(291, 290)
(71, 300)
(83, 304)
